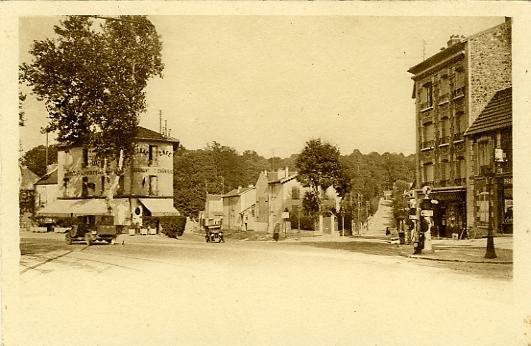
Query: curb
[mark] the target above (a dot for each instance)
(421, 257)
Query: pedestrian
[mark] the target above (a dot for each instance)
(276, 231)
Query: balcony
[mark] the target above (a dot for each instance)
(428, 144)
(444, 98)
(459, 92)
(442, 183)
(445, 140)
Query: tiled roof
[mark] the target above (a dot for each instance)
(143, 133)
(48, 178)
(496, 115)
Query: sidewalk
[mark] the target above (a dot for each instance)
(468, 250)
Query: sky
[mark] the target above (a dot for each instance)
(271, 83)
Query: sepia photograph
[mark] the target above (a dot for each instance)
(263, 176)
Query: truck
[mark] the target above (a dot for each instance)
(90, 228)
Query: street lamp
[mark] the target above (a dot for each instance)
(491, 176)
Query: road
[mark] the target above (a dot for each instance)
(187, 292)
(381, 219)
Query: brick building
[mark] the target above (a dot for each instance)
(145, 188)
(451, 89)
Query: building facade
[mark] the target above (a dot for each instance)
(145, 187)
(451, 89)
(490, 137)
(239, 209)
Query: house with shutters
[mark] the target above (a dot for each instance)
(145, 187)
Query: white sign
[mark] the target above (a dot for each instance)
(426, 213)
(413, 217)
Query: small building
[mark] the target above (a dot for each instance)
(213, 214)
(490, 137)
(26, 196)
(239, 209)
(145, 187)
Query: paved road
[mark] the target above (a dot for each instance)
(187, 292)
(382, 219)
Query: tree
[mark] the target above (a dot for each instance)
(319, 168)
(35, 159)
(92, 81)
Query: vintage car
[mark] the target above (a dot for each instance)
(90, 228)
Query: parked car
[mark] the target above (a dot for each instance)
(92, 228)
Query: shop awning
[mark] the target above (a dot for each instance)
(77, 207)
(58, 208)
(160, 206)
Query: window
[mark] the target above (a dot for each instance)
(426, 96)
(153, 155)
(483, 206)
(428, 135)
(66, 186)
(85, 162)
(84, 189)
(484, 155)
(153, 185)
(121, 186)
(295, 192)
(459, 84)
(444, 89)
(444, 128)
(427, 173)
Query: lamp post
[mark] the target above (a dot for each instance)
(491, 253)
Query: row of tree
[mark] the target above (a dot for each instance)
(92, 77)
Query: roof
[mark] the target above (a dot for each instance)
(48, 179)
(27, 178)
(284, 180)
(496, 115)
(439, 57)
(147, 134)
(141, 134)
(238, 192)
(214, 198)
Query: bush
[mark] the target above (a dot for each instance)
(172, 226)
(307, 222)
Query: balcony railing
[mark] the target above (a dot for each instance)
(444, 140)
(428, 144)
(458, 92)
(460, 181)
(457, 137)
(444, 98)
(442, 183)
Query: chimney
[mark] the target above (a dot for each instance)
(453, 40)
(287, 172)
(239, 189)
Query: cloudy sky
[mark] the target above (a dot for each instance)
(270, 83)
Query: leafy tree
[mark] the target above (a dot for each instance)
(35, 159)
(319, 168)
(92, 81)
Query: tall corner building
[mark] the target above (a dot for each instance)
(451, 90)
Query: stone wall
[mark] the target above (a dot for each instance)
(489, 54)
